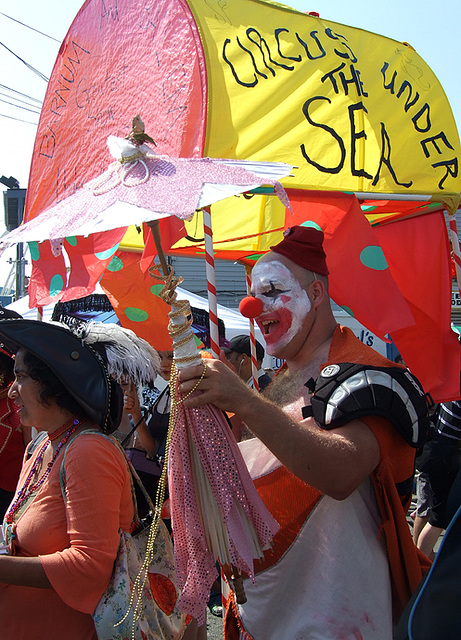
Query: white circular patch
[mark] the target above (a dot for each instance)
(330, 371)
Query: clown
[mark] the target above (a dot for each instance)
(343, 563)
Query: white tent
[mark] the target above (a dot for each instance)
(234, 322)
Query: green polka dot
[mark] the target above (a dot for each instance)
(116, 264)
(72, 240)
(368, 207)
(136, 315)
(155, 289)
(34, 250)
(198, 343)
(56, 285)
(373, 258)
(311, 223)
(255, 256)
(103, 255)
(348, 310)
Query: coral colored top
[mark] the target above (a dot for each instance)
(77, 541)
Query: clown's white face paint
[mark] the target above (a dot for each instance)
(285, 303)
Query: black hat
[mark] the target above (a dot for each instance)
(4, 315)
(241, 344)
(8, 313)
(81, 368)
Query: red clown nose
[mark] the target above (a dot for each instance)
(250, 307)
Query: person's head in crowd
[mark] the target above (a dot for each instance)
(166, 362)
(58, 376)
(239, 355)
(6, 369)
(6, 358)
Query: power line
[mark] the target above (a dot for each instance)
(31, 28)
(24, 95)
(29, 66)
(2, 115)
(5, 95)
(18, 106)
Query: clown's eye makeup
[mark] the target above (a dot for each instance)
(272, 281)
(274, 291)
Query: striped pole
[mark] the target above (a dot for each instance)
(254, 362)
(211, 282)
(455, 245)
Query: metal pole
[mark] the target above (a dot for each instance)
(20, 271)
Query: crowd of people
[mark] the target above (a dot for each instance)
(338, 481)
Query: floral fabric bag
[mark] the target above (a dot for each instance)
(156, 614)
(140, 601)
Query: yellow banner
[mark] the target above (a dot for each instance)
(355, 111)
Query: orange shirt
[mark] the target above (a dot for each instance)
(76, 540)
(407, 564)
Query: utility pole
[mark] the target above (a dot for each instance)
(13, 201)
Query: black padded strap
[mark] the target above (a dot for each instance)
(346, 391)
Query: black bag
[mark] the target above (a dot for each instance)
(434, 610)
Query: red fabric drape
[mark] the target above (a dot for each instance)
(418, 254)
(360, 279)
(395, 278)
(134, 296)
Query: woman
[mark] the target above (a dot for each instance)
(62, 551)
(13, 436)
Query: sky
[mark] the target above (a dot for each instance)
(431, 29)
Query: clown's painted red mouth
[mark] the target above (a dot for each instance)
(275, 325)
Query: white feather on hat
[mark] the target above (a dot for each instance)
(127, 354)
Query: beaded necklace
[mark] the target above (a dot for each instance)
(28, 489)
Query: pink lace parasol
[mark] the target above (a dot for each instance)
(141, 186)
(216, 512)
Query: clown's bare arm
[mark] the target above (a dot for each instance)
(335, 461)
